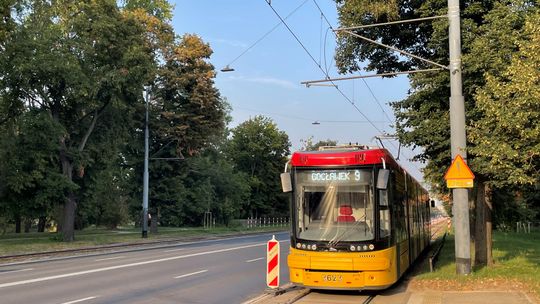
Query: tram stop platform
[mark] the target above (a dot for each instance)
(301, 295)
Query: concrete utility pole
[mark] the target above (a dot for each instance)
(458, 141)
(145, 174)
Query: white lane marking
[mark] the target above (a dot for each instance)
(147, 248)
(73, 274)
(18, 270)
(80, 300)
(190, 274)
(113, 258)
(173, 250)
(258, 259)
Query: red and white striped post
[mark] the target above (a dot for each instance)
(272, 262)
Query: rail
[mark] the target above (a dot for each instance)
(435, 255)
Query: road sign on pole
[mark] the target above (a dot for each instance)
(272, 262)
(459, 175)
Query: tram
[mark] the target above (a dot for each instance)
(358, 219)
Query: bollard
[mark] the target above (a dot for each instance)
(272, 262)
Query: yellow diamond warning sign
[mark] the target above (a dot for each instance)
(459, 175)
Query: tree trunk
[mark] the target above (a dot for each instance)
(482, 235)
(70, 205)
(41, 224)
(153, 223)
(27, 225)
(17, 224)
(489, 225)
(68, 228)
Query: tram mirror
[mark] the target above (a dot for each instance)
(286, 184)
(432, 203)
(382, 179)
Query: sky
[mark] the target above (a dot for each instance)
(269, 67)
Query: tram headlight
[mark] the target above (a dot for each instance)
(371, 246)
(364, 247)
(309, 247)
(303, 246)
(359, 248)
(353, 248)
(314, 247)
(298, 245)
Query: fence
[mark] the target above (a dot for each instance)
(254, 222)
(524, 227)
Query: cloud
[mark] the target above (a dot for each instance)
(234, 43)
(267, 81)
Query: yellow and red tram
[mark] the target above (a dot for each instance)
(358, 219)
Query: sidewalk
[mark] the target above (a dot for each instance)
(469, 297)
(301, 296)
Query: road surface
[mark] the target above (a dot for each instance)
(220, 271)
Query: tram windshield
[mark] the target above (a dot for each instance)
(334, 205)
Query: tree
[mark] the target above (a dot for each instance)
(308, 144)
(259, 149)
(32, 183)
(74, 61)
(422, 117)
(506, 137)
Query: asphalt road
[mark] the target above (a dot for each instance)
(221, 271)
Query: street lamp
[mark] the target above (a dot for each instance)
(146, 95)
(227, 68)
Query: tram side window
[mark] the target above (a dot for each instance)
(384, 213)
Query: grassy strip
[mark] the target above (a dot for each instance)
(516, 266)
(11, 244)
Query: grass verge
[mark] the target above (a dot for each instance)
(12, 244)
(516, 267)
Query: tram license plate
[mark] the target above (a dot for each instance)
(332, 277)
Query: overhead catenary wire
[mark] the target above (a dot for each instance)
(302, 118)
(326, 73)
(267, 33)
(364, 81)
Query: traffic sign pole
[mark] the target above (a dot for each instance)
(460, 196)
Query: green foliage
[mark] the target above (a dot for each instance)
(507, 135)
(72, 121)
(414, 37)
(189, 109)
(308, 145)
(160, 9)
(259, 149)
(74, 62)
(32, 184)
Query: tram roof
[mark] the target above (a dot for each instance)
(342, 156)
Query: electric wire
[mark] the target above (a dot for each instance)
(302, 118)
(363, 80)
(319, 66)
(326, 73)
(267, 33)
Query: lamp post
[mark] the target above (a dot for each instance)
(145, 174)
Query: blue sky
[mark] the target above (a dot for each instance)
(266, 80)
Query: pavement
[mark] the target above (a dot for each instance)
(293, 294)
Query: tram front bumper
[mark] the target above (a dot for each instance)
(338, 270)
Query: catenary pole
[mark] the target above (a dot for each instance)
(145, 174)
(460, 196)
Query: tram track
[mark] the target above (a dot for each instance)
(325, 297)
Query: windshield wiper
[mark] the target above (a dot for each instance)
(334, 241)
